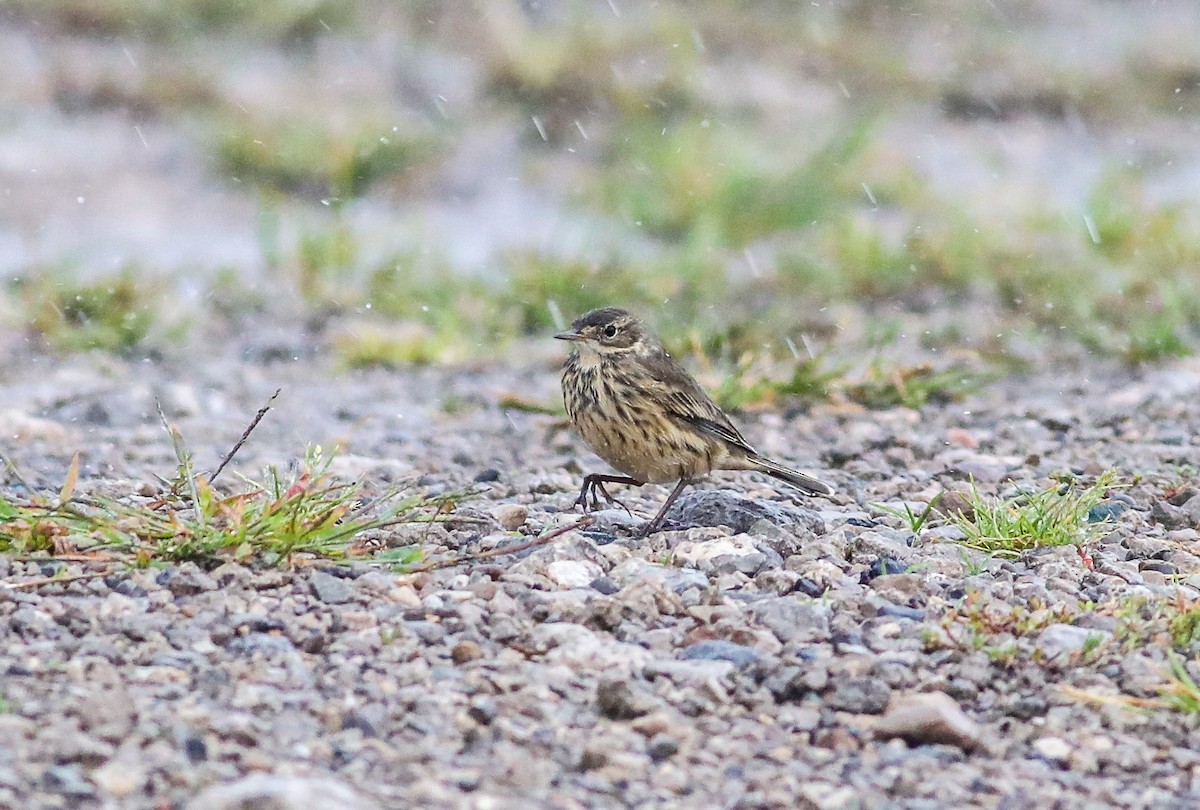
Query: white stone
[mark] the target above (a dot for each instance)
(573, 573)
(510, 516)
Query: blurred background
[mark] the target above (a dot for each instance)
(892, 200)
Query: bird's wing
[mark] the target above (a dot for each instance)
(688, 402)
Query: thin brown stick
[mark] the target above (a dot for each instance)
(540, 540)
(37, 583)
(83, 558)
(245, 435)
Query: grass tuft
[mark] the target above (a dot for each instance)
(1056, 516)
(113, 314)
(282, 518)
(1181, 691)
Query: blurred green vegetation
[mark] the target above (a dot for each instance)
(783, 260)
(180, 20)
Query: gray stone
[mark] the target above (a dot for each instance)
(270, 792)
(1171, 517)
(859, 696)
(66, 780)
(720, 508)
(1191, 509)
(928, 717)
(187, 580)
(793, 619)
(717, 650)
(617, 699)
(721, 555)
(1060, 640)
(673, 578)
(330, 589)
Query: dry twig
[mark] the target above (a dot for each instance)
(540, 540)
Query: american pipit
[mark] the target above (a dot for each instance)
(640, 411)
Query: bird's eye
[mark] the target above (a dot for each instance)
(610, 331)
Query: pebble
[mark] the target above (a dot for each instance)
(716, 650)
(724, 555)
(282, 793)
(793, 619)
(722, 508)
(186, 580)
(573, 573)
(617, 699)
(1053, 748)
(465, 651)
(330, 589)
(510, 516)
(1060, 640)
(928, 718)
(859, 695)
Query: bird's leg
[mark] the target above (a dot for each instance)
(656, 523)
(595, 483)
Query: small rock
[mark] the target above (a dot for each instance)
(186, 580)
(979, 467)
(510, 516)
(722, 555)
(1171, 517)
(635, 570)
(487, 476)
(604, 585)
(948, 533)
(1067, 639)
(928, 717)
(824, 796)
(885, 567)
(582, 649)
(794, 619)
(483, 710)
(330, 589)
(1191, 510)
(125, 586)
(902, 612)
(573, 573)
(282, 793)
(1053, 748)
(859, 696)
(661, 747)
(617, 700)
(716, 650)
(955, 503)
(465, 651)
(809, 587)
(719, 508)
(67, 780)
(485, 590)
(120, 776)
(1108, 510)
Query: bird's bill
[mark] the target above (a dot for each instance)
(573, 336)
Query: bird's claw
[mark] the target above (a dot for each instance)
(590, 488)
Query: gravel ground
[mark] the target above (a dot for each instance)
(764, 651)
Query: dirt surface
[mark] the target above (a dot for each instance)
(704, 666)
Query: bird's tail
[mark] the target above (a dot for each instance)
(797, 479)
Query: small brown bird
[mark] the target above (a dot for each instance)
(641, 411)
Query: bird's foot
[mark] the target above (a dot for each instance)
(593, 489)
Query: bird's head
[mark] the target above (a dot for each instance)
(608, 331)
